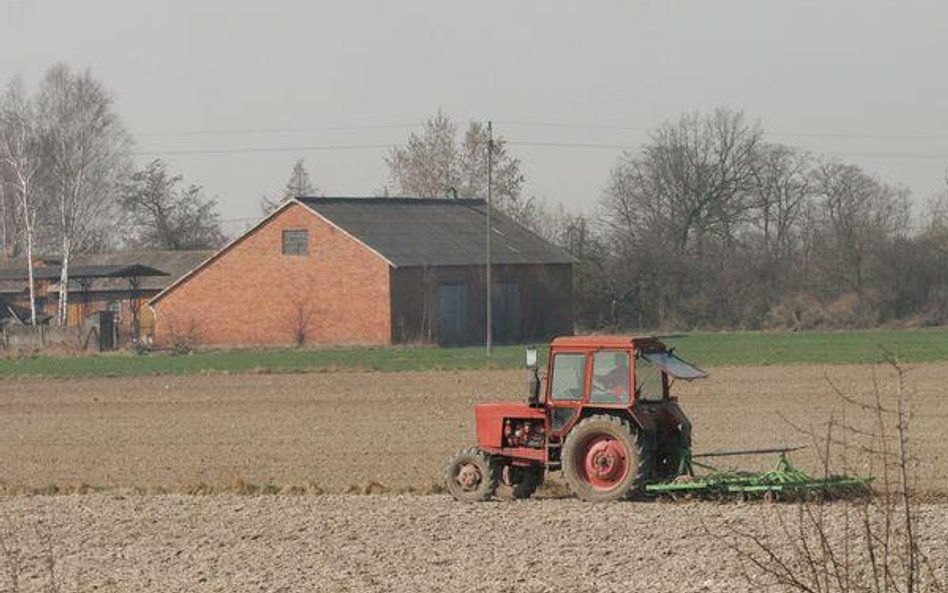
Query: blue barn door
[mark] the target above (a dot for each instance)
(452, 314)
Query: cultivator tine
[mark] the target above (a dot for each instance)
(784, 481)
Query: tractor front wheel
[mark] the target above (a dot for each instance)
(471, 476)
(519, 482)
(601, 459)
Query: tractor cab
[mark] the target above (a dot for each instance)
(630, 378)
(606, 372)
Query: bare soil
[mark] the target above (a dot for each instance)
(372, 432)
(330, 543)
(342, 432)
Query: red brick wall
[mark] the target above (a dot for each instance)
(253, 294)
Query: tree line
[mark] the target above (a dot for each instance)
(707, 225)
(710, 225)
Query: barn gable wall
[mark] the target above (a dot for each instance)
(251, 293)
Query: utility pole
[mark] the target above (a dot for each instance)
(490, 179)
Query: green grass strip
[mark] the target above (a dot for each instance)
(704, 349)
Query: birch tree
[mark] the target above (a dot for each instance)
(19, 151)
(87, 152)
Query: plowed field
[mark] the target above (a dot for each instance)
(388, 431)
(408, 544)
(375, 432)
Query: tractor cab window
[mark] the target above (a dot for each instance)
(569, 377)
(610, 379)
(648, 380)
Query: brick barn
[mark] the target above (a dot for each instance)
(372, 271)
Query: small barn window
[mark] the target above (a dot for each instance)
(296, 242)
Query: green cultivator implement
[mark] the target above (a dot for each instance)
(782, 482)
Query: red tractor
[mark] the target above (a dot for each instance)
(605, 418)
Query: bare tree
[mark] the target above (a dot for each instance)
(19, 149)
(300, 319)
(855, 214)
(435, 164)
(5, 212)
(938, 210)
(427, 166)
(690, 182)
(161, 216)
(673, 213)
(87, 154)
(299, 184)
(781, 193)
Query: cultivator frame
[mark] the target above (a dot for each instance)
(783, 481)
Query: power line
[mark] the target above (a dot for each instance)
(805, 134)
(262, 149)
(600, 146)
(547, 124)
(525, 143)
(251, 131)
(533, 124)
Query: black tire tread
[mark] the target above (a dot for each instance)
(641, 470)
(488, 470)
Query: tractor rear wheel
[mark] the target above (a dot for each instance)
(602, 460)
(471, 476)
(518, 482)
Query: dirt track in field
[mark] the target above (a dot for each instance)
(342, 431)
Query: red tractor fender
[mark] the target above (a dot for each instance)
(643, 421)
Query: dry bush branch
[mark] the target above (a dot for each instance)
(871, 544)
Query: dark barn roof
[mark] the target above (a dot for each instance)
(110, 272)
(436, 232)
(174, 264)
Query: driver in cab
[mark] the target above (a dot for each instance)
(610, 384)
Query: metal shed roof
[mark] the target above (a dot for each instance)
(82, 272)
(436, 232)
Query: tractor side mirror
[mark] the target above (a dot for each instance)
(533, 394)
(533, 397)
(531, 356)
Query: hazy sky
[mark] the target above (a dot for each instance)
(231, 93)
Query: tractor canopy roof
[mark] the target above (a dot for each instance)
(594, 342)
(649, 348)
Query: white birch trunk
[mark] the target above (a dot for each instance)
(3, 218)
(63, 313)
(29, 221)
(29, 268)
